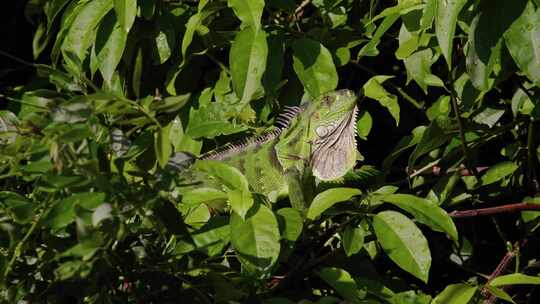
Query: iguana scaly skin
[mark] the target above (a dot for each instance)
(318, 136)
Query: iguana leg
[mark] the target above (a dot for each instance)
(301, 188)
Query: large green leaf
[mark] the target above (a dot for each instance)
(201, 195)
(248, 62)
(328, 198)
(523, 42)
(455, 294)
(342, 282)
(256, 239)
(248, 11)
(162, 145)
(81, 32)
(20, 209)
(403, 242)
(425, 212)
(213, 120)
(498, 172)
(126, 10)
(290, 223)
(109, 47)
(370, 49)
(238, 193)
(353, 239)
(438, 133)
(314, 66)
(515, 279)
(419, 68)
(373, 89)
(445, 25)
(63, 211)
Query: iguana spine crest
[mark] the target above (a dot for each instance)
(282, 122)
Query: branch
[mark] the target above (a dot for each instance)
(503, 265)
(495, 210)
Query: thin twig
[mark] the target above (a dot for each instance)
(453, 98)
(495, 210)
(503, 265)
(533, 182)
(18, 249)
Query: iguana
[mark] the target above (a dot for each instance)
(317, 137)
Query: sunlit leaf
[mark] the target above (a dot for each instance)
(455, 294)
(497, 172)
(314, 66)
(373, 89)
(403, 242)
(328, 198)
(256, 239)
(248, 62)
(445, 25)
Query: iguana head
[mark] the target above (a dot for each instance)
(324, 134)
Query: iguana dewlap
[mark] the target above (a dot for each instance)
(318, 136)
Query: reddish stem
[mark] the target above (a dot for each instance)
(495, 210)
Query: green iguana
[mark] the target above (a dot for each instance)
(317, 137)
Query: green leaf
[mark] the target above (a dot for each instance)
(455, 294)
(81, 33)
(419, 68)
(248, 62)
(165, 38)
(364, 124)
(489, 116)
(314, 66)
(212, 120)
(499, 293)
(515, 279)
(523, 42)
(256, 239)
(110, 44)
(438, 133)
(213, 236)
(52, 9)
(328, 198)
(403, 242)
(353, 239)
(85, 249)
(445, 25)
(373, 89)
(408, 43)
(162, 145)
(479, 69)
(201, 195)
(63, 211)
(240, 200)
(403, 7)
(126, 10)
(497, 172)
(529, 216)
(290, 223)
(248, 11)
(20, 209)
(439, 108)
(74, 133)
(370, 49)
(228, 175)
(342, 282)
(425, 212)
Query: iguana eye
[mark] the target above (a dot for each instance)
(322, 131)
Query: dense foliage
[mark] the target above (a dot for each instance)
(449, 121)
